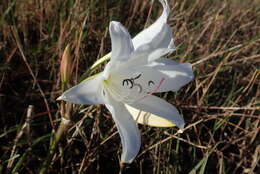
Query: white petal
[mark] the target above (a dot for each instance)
(87, 92)
(122, 45)
(161, 77)
(176, 74)
(159, 46)
(149, 119)
(142, 56)
(127, 128)
(165, 61)
(130, 84)
(158, 34)
(159, 107)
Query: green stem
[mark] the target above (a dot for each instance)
(61, 130)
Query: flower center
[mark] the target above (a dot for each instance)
(130, 89)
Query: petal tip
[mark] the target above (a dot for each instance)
(165, 6)
(60, 98)
(114, 26)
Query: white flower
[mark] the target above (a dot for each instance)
(136, 71)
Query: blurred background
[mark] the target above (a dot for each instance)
(221, 105)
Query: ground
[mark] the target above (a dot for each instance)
(221, 106)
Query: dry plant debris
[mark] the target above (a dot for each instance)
(221, 106)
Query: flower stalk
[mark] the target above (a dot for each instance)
(63, 127)
(66, 68)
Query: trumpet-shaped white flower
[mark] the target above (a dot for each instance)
(136, 71)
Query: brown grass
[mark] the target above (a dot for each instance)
(221, 106)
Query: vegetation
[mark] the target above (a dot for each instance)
(221, 106)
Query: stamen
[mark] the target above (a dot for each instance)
(137, 77)
(132, 81)
(130, 95)
(118, 93)
(155, 90)
(158, 87)
(140, 89)
(123, 83)
(150, 82)
(127, 81)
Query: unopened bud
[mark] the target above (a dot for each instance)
(66, 65)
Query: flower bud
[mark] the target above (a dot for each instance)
(66, 65)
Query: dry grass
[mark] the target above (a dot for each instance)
(221, 106)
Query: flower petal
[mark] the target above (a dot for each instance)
(149, 119)
(161, 75)
(87, 92)
(156, 48)
(175, 74)
(127, 128)
(158, 34)
(159, 107)
(122, 45)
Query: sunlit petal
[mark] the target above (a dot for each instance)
(122, 45)
(158, 34)
(149, 119)
(159, 107)
(161, 77)
(176, 75)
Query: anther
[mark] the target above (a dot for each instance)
(140, 89)
(127, 81)
(150, 82)
(137, 77)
